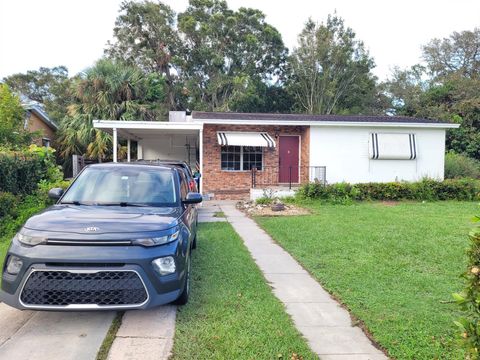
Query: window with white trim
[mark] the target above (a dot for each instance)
(237, 158)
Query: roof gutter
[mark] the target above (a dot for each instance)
(331, 123)
(197, 124)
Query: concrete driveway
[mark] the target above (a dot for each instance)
(42, 335)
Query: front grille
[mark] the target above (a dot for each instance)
(102, 288)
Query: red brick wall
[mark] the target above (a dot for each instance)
(36, 124)
(236, 184)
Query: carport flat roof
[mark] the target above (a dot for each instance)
(137, 130)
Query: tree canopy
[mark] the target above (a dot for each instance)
(12, 120)
(227, 53)
(446, 87)
(47, 86)
(331, 69)
(211, 57)
(145, 35)
(109, 90)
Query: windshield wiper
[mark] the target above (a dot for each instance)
(123, 204)
(75, 202)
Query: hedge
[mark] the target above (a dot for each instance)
(21, 171)
(15, 210)
(8, 204)
(451, 189)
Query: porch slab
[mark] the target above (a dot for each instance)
(277, 192)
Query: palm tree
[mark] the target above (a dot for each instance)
(109, 90)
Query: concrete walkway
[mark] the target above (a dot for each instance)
(26, 335)
(207, 211)
(321, 320)
(145, 335)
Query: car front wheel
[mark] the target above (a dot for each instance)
(183, 298)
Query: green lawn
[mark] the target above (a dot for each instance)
(232, 313)
(394, 267)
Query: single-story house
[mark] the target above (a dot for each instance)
(37, 120)
(238, 152)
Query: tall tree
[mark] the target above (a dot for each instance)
(405, 89)
(109, 90)
(47, 86)
(459, 54)
(12, 119)
(226, 52)
(330, 68)
(445, 88)
(145, 35)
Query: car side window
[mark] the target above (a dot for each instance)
(183, 185)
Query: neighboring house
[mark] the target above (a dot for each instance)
(238, 152)
(37, 120)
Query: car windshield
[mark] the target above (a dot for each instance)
(123, 186)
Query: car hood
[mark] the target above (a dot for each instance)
(102, 220)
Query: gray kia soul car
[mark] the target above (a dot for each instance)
(120, 237)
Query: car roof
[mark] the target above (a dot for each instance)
(168, 162)
(133, 164)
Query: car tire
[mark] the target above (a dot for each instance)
(194, 242)
(183, 298)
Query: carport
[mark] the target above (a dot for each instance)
(156, 139)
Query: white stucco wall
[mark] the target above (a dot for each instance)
(169, 147)
(344, 152)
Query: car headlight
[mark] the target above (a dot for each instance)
(154, 241)
(31, 240)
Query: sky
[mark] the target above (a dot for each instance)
(73, 33)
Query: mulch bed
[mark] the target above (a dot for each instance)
(252, 209)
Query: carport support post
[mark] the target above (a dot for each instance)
(128, 150)
(200, 150)
(114, 145)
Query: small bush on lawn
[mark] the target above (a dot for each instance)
(461, 166)
(450, 189)
(264, 201)
(468, 300)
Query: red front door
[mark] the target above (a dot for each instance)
(288, 159)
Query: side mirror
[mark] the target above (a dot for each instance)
(55, 193)
(193, 198)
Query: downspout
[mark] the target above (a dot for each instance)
(128, 150)
(200, 148)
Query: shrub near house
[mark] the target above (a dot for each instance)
(451, 189)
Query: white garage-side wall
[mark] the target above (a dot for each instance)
(345, 153)
(169, 147)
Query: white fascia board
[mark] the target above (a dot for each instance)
(147, 125)
(330, 123)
